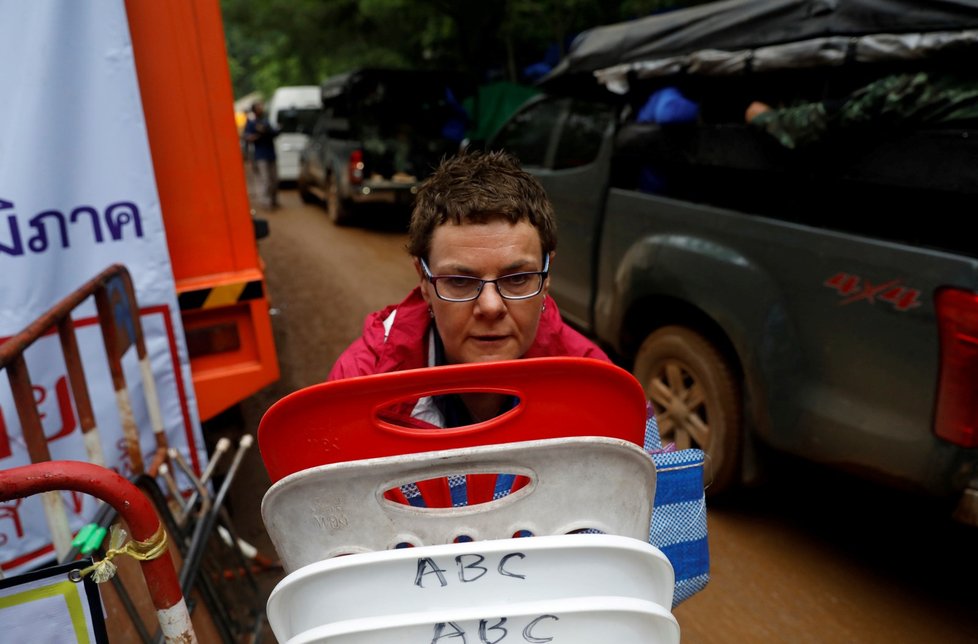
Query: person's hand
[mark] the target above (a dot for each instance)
(755, 109)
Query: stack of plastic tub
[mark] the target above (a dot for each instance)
(392, 533)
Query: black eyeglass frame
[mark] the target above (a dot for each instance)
(542, 274)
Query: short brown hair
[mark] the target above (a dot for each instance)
(477, 187)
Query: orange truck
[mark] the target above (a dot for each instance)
(184, 81)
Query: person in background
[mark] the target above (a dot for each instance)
(665, 107)
(897, 100)
(260, 134)
(482, 236)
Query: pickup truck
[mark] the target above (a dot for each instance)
(380, 133)
(819, 301)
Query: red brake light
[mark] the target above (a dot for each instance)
(956, 416)
(355, 167)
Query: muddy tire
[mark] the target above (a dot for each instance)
(304, 193)
(697, 399)
(336, 207)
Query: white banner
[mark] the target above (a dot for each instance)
(77, 194)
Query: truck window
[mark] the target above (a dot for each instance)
(298, 120)
(527, 135)
(581, 134)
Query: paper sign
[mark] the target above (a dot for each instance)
(78, 194)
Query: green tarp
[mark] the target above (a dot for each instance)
(493, 104)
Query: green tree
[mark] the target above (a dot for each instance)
(298, 42)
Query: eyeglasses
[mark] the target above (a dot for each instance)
(462, 288)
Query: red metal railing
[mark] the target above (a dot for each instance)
(133, 506)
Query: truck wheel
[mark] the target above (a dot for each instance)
(304, 193)
(697, 399)
(339, 212)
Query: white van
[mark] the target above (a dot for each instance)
(293, 110)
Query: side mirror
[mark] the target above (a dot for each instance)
(261, 227)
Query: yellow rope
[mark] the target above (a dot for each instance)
(152, 548)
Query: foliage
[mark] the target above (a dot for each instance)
(300, 42)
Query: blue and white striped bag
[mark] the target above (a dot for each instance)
(679, 513)
(678, 525)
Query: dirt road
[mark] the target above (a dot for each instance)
(810, 557)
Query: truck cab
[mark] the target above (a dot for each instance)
(381, 132)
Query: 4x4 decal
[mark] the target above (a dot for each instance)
(855, 289)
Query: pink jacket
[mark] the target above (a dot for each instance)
(396, 338)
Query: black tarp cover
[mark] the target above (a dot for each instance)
(732, 36)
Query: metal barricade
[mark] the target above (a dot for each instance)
(208, 553)
(121, 328)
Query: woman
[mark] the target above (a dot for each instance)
(483, 237)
